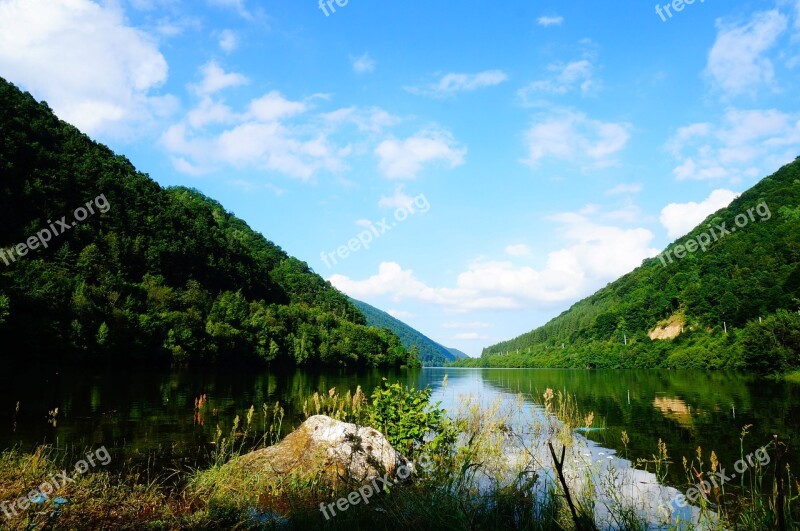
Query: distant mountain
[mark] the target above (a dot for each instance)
(725, 295)
(431, 353)
(143, 273)
(457, 354)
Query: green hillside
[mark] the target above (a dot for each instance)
(100, 263)
(457, 354)
(431, 353)
(725, 295)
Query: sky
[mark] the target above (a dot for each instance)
(473, 169)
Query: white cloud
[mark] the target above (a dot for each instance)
(209, 112)
(270, 133)
(93, 69)
(747, 144)
(737, 62)
(370, 120)
(404, 159)
(453, 83)
(680, 218)
(548, 21)
(216, 79)
(400, 314)
(228, 40)
(363, 64)
(273, 107)
(562, 78)
(594, 255)
(518, 250)
(625, 189)
(570, 135)
(397, 201)
(262, 137)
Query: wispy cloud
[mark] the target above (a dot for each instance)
(738, 61)
(363, 64)
(451, 84)
(625, 189)
(572, 136)
(746, 144)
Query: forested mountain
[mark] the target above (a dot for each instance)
(725, 295)
(431, 353)
(100, 263)
(457, 354)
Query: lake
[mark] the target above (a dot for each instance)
(151, 415)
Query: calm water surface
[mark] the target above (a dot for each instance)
(151, 415)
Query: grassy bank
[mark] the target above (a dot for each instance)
(486, 466)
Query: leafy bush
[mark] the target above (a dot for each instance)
(406, 417)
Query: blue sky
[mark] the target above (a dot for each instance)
(522, 156)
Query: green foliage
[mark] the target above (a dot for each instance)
(431, 353)
(4, 303)
(406, 417)
(164, 275)
(749, 274)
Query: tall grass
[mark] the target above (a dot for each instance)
(499, 473)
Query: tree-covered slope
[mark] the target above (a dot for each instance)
(457, 354)
(725, 295)
(164, 275)
(431, 353)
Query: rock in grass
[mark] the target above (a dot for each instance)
(339, 453)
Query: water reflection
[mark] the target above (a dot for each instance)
(145, 412)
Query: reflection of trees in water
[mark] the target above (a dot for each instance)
(146, 412)
(685, 409)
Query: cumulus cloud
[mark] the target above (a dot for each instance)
(572, 136)
(680, 218)
(747, 144)
(94, 69)
(453, 83)
(262, 136)
(738, 61)
(595, 254)
(405, 159)
(216, 79)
